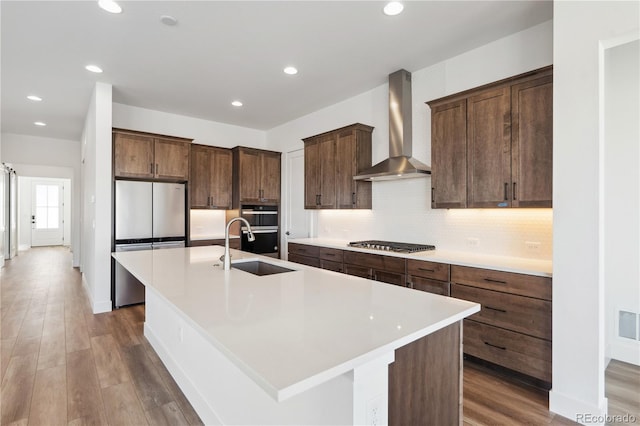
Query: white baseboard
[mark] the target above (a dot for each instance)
(98, 307)
(625, 351)
(578, 411)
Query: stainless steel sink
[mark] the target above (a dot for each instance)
(258, 267)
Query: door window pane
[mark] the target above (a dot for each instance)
(47, 206)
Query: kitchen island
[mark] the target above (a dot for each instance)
(302, 347)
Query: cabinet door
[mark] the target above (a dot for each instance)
(345, 169)
(270, 177)
(220, 178)
(133, 156)
(449, 155)
(327, 172)
(171, 159)
(250, 165)
(489, 148)
(532, 143)
(311, 171)
(200, 177)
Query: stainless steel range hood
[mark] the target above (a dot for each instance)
(400, 164)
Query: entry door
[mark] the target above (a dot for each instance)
(47, 214)
(297, 221)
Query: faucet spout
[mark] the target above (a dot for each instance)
(226, 257)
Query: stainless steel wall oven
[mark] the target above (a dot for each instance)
(265, 223)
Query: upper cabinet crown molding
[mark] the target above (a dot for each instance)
(331, 159)
(492, 146)
(148, 156)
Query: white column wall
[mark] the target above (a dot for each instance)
(578, 290)
(96, 199)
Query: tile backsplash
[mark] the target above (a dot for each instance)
(402, 212)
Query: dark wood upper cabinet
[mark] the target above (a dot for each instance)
(320, 175)
(256, 176)
(148, 156)
(532, 143)
(210, 182)
(491, 147)
(331, 161)
(449, 155)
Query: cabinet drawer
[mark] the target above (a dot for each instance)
(390, 278)
(517, 313)
(304, 260)
(420, 268)
(334, 255)
(358, 271)
(331, 265)
(375, 261)
(430, 286)
(508, 282)
(516, 351)
(304, 249)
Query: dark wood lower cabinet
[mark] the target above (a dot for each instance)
(304, 260)
(425, 380)
(431, 286)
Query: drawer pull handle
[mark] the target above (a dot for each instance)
(329, 254)
(495, 346)
(494, 281)
(496, 309)
(426, 270)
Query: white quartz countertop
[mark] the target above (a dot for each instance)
(197, 237)
(292, 331)
(518, 265)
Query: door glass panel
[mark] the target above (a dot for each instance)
(47, 206)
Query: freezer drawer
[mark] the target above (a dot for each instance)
(127, 289)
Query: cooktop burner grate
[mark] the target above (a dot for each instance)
(391, 246)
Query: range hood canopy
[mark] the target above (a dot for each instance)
(400, 164)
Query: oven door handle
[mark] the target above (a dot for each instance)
(258, 212)
(260, 230)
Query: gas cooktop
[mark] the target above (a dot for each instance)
(391, 246)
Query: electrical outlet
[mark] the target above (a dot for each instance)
(374, 412)
(180, 333)
(473, 242)
(533, 245)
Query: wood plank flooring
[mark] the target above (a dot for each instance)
(60, 364)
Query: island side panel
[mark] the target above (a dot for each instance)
(425, 380)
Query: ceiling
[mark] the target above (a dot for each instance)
(223, 51)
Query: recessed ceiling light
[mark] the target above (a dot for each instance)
(34, 98)
(93, 68)
(291, 70)
(393, 8)
(40, 123)
(168, 20)
(110, 6)
(236, 103)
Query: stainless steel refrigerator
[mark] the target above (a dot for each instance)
(148, 216)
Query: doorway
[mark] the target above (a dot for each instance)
(44, 212)
(296, 218)
(47, 213)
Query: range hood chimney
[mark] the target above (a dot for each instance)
(400, 164)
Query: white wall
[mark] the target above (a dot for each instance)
(401, 209)
(47, 157)
(25, 207)
(622, 194)
(578, 275)
(96, 199)
(204, 132)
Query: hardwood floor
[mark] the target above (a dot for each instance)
(60, 364)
